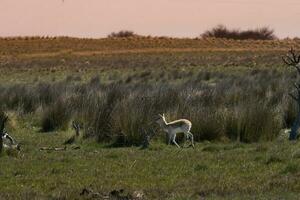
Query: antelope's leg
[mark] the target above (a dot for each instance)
(187, 137)
(191, 136)
(169, 138)
(174, 140)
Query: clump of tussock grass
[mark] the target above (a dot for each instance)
(98, 114)
(252, 123)
(207, 124)
(19, 97)
(27, 98)
(56, 116)
(130, 122)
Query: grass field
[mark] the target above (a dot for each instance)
(210, 171)
(116, 87)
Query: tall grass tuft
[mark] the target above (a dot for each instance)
(207, 124)
(98, 112)
(253, 122)
(56, 116)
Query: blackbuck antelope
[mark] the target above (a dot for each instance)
(174, 127)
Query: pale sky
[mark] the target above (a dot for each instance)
(180, 18)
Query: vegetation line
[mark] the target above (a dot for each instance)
(139, 51)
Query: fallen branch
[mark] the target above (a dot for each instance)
(53, 148)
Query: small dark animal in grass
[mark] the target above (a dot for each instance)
(76, 127)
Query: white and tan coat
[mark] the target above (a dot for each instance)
(174, 127)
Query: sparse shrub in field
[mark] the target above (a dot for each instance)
(56, 116)
(121, 34)
(99, 112)
(47, 93)
(253, 122)
(19, 97)
(29, 101)
(132, 118)
(27, 98)
(207, 123)
(222, 31)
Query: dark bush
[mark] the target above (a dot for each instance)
(222, 31)
(122, 34)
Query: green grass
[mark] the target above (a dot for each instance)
(211, 170)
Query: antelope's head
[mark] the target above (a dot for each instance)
(161, 119)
